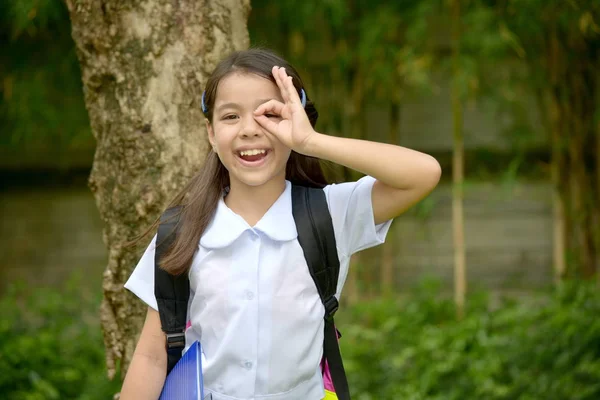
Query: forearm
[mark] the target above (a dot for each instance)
(146, 374)
(395, 166)
(145, 378)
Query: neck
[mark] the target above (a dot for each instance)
(252, 202)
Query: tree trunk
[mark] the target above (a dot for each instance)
(554, 120)
(597, 210)
(597, 189)
(143, 67)
(354, 125)
(460, 279)
(571, 64)
(390, 247)
(558, 205)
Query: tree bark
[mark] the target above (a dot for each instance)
(143, 67)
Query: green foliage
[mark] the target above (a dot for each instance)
(373, 37)
(30, 17)
(51, 346)
(41, 99)
(540, 348)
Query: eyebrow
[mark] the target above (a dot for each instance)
(237, 106)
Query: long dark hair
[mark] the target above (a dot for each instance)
(199, 198)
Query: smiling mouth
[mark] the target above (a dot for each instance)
(252, 156)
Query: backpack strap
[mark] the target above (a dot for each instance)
(172, 292)
(317, 239)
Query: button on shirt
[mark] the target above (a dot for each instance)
(253, 304)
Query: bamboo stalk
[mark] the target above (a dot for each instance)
(558, 205)
(597, 221)
(558, 211)
(557, 162)
(387, 256)
(355, 115)
(460, 281)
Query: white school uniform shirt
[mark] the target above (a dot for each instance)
(253, 305)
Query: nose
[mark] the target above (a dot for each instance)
(250, 128)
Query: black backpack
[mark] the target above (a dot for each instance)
(316, 237)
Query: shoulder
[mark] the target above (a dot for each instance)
(346, 194)
(141, 281)
(351, 210)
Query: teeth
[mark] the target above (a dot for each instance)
(252, 152)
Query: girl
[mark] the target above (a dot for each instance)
(253, 305)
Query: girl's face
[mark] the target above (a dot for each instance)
(252, 156)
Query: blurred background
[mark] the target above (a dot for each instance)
(486, 289)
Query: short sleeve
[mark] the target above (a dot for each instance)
(141, 281)
(351, 210)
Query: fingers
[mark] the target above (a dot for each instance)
(270, 107)
(286, 85)
(269, 125)
(261, 113)
(276, 71)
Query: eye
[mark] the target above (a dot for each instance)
(272, 116)
(229, 117)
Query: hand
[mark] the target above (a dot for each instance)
(292, 126)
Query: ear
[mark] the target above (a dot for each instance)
(211, 133)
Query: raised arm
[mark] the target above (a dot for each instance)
(403, 176)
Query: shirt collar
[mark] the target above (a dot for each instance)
(226, 226)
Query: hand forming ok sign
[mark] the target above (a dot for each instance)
(293, 127)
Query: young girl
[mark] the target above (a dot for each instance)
(253, 304)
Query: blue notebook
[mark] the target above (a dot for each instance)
(184, 382)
